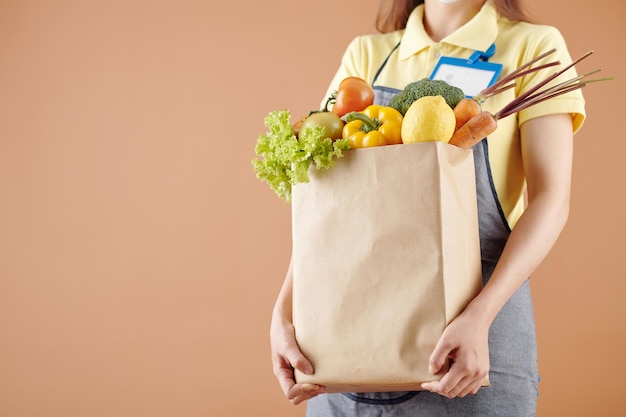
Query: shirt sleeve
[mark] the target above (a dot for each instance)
(573, 102)
(364, 56)
(349, 66)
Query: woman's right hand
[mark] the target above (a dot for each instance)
(286, 356)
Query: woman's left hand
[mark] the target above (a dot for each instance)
(465, 342)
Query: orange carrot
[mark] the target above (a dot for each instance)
(474, 130)
(465, 110)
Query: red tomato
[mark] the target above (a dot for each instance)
(353, 94)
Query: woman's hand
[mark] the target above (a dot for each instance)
(465, 342)
(286, 356)
(547, 146)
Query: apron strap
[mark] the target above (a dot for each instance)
(380, 69)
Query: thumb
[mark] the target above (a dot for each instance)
(439, 357)
(298, 361)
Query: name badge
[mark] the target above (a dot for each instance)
(470, 75)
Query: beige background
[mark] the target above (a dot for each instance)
(139, 255)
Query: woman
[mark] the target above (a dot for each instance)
(530, 153)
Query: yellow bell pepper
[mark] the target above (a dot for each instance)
(375, 126)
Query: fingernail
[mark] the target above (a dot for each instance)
(308, 370)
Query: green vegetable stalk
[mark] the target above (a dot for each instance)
(283, 159)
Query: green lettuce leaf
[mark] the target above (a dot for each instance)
(283, 160)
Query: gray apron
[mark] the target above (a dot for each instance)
(512, 346)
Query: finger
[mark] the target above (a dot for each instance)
(471, 379)
(302, 392)
(466, 386)
(461, 389)
(438, 388)
(472, 388)
(448, 385)
(286, 379)
(296, 393)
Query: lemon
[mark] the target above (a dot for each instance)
(428, 119)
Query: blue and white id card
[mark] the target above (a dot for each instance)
(471, 76)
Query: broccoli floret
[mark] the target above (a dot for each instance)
(425, 87)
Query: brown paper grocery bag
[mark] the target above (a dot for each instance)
(385, 254)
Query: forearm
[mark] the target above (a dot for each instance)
(547, 148)
(283, 305)
(530, 242)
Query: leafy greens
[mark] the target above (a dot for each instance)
(283, 159)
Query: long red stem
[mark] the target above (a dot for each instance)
(521, 98)
(491, 90)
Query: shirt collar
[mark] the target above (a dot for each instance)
(477, 34)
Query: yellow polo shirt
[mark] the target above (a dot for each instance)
(516, 43)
